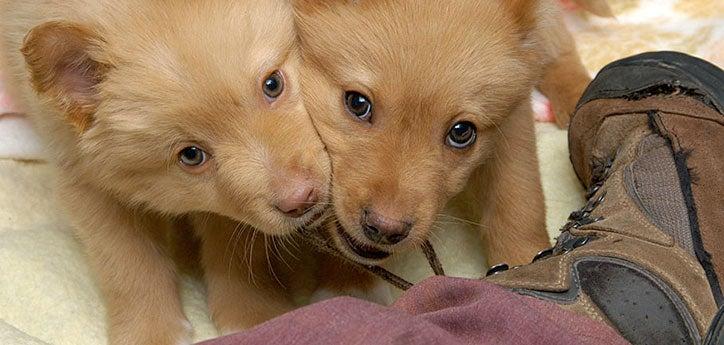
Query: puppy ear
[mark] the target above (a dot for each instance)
(64, 67)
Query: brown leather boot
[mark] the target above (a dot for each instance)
(646, 253)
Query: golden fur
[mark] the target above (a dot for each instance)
(117, 89)
(427, 65)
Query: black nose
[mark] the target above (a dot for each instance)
(383, 230)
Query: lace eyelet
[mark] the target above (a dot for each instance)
(592, 191)
(543, 254)
(569, 243)
(497, 269)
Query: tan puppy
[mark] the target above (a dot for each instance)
(425, 104)
(596, 7)
(157, 110)
(565, 78)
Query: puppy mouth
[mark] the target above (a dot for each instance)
(362, 250)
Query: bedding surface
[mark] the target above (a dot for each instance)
(48, 294)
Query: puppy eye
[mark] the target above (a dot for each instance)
(193, 158)
(273, 85)
(462, 135)
(358, 105)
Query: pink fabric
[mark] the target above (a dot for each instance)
(442, 311)
(542, 108)
(569, 5)
(6, 104)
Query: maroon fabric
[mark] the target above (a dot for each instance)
(438, 311)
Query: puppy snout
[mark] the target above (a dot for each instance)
(297, 199)
(380, 229)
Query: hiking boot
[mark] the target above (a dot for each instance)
(646, 253)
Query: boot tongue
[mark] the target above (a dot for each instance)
(689, 155)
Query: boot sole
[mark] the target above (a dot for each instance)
(657, 73)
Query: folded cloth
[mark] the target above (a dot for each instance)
(11, 335)
(441, 311)
(17, 138)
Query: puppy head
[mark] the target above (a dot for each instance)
(407, 96)
(187, 108)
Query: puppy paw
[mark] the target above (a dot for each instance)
(562, 111)
(178, 332)
(323, 294)
(563, 101)
(380, 293)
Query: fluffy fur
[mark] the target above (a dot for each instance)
(118, 89)
(426, 65)
(597, 7)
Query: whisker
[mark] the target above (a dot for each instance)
(278, 253)
(231, 240)
(505, 139)
(252, 276)
(459, 219)
(269, 263)
(289, 241)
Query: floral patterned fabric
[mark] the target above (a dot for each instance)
(694, 27)
(691, 26)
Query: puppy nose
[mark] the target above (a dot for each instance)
(299, 201)
(380, 229)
